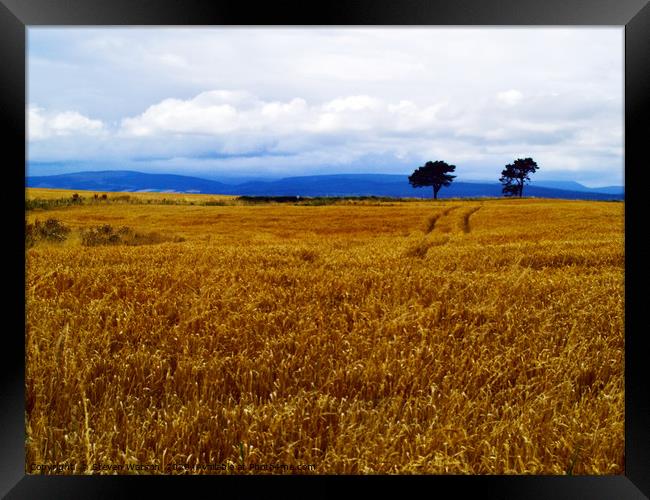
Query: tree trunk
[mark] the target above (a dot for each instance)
(435, 193)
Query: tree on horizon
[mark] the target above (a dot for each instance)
(433, 173)
(516, 175)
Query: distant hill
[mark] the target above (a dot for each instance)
(576, 186)
(314, 185)
(126, 180)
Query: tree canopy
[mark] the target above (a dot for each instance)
(515, 176)
(433, 173)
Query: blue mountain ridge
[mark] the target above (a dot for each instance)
(307, 186)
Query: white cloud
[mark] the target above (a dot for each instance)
(353, 103)
(303, 99)
(510, 97)
(182, 117)
(217, 113)
(42, 125)
(237, 129)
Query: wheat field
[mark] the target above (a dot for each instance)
(362, 337)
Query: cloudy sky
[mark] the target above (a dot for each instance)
(241, 102)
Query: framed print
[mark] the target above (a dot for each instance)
(231, 270)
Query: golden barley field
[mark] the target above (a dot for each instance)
(364, 337)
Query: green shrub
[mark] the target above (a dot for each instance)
(51, 230)
(100, 235)
(107, 235)
(42, 204)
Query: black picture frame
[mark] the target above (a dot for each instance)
(634, 15)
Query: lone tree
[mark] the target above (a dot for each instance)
(515, 175)
(433, 173)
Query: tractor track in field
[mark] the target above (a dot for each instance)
(465, 221)
(434, 218)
